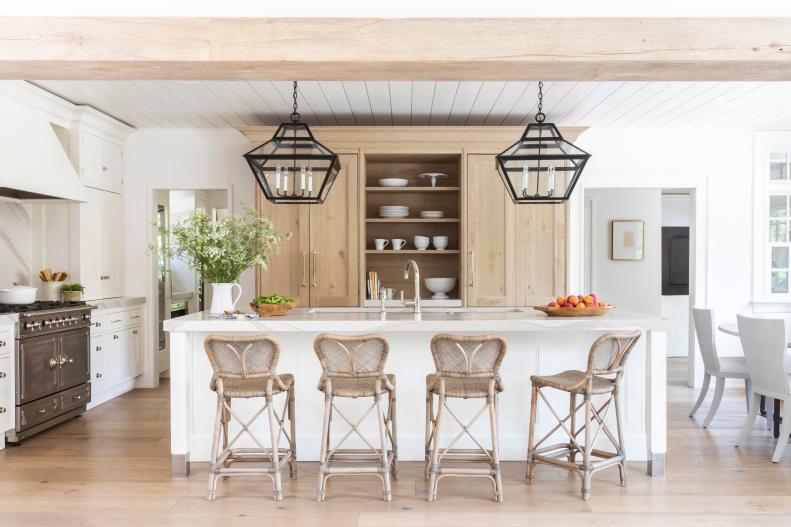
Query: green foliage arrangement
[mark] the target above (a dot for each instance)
(73, 287)
(221, 250)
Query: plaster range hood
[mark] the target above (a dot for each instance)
(33, 163)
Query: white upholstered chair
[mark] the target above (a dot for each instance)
(720, 368)
(765, 341)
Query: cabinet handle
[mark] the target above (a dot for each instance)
(76, 397)
(313, 269)
(472, 269)
(116, 337)
(2, 344)
(104, 168)
(98, 375)
(98, 324)
(115, 321)
(41, 411)
(3, 375)
(2, 410)
(304, 269)
(134, 332)
(53, 363)
(98, 348)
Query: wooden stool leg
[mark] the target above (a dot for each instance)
(292, 420)
(429, 433)
(621, 442)
(498, 481)
(380, 417)
(531, 434)
(273, 434)
(215, 445)
(391, 408)
(226, 419)
(325, 436)
(434, 469)
(586, 455)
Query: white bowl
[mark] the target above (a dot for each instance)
(440, 287)
(18, 294)
(431, 214)
(393, 182)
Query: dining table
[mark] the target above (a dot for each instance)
(770, 411)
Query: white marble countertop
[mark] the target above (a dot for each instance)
(122, 301)
(434, 320)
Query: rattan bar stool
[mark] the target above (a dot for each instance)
(244, 368)
(353, 367)
(467, 368)
(606, 361)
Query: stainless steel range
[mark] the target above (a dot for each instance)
(53, 367)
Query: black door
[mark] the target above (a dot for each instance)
(675, 260)
(37, 367)
(75, 367)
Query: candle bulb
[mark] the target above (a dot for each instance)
(277, 177)
(524, 176)
(285, 180)
(310, 180)
(550, 180)
(302, 178)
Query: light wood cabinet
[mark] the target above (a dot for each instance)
(540, 253)
(490, 236)
(319, 265)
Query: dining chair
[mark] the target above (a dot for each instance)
(720, 368)
(764, 341)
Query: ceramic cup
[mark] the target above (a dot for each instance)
(398, 243)
(380, 244)
(421, 243)
(440, 242)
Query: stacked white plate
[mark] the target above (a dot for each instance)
(393, 211)
(393, 182)
(431, 214)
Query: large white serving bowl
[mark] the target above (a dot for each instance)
(440, 287)
(393, 182)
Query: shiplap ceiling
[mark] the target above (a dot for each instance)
(219, 104)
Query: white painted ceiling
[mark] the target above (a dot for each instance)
(220, 104)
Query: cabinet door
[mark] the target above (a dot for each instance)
(114, 359)
(111, 166)
(90, 160)
(109, 245)
(75, 365)
(37, 368)
(490, 235)
(135, 352)
(90, 245)
(97, 363)
(287, 273)
(335, 242)
(540, 256)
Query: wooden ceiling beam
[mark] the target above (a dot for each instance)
(668, 49)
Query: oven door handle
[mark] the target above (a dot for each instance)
(53, 363)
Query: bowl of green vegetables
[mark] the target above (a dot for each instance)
(272, 305)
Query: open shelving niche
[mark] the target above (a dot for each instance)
(418, 195)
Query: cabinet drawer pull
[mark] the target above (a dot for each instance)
(116, 337)
(472, 269)
(53, 363)
(134, 332)
(41, 411)
(98, 324)
(98, 348)
(2, 410)
(115, 321)
(76, 397)
(98, 375)
(304, 269)
(134, 317)
(2, 344)
(3, 375)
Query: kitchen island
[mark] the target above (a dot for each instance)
(536, 345)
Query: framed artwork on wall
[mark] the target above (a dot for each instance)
(628, 239)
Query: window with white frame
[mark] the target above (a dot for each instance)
(773, 215)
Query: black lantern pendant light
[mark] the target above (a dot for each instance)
(541, 167)
(293, 167)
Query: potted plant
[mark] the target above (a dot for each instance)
(72, 292)
(220, 251)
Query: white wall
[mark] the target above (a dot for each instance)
(634, 284)
(724, 159)
(176, 159)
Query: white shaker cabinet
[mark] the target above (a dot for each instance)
(116, 351)
(100, 162)
(7, 400)
(99, 259)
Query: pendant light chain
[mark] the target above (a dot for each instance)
(295, 114)
(540, 115)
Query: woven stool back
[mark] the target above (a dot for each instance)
(609, 352)
(242, 357)
(456, 356)
(351, 356)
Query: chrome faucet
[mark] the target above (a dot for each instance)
(416, 273)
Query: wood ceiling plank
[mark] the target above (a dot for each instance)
(379, 99)
(401, 102)
(395, 49)
(336, 95)
(463, 101)
(422, 100)
(442, 104)
(253, 101)
(357, 95)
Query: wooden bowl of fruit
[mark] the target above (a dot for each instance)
(272, 305)
(575, 306)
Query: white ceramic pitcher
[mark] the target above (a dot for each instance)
(222, 298)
